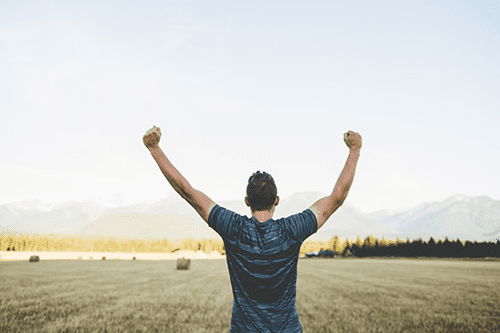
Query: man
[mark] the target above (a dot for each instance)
(262, 253)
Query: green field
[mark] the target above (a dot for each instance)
(345, 295)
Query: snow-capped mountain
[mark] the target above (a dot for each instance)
(459, 216)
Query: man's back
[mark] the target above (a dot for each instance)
(262, 262)
(261, 257)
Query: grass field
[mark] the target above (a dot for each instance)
(345, 295)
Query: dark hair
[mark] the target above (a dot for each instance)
(261, 191)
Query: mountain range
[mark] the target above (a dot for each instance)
(463, 217)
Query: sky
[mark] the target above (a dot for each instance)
(238, 87)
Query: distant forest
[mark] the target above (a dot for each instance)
(419, 248)
(64, 243)
(369, 247)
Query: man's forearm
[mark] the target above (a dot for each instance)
(346, 177)
(174, 177)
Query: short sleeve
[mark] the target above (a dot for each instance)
(224, 221)
(300, 226)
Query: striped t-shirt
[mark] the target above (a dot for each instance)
(262, 262)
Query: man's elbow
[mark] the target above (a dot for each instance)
(338, 196)
(186, 192)
(337, 202)
(334, 205)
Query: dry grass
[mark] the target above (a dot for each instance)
(399, 296)
(333, 296)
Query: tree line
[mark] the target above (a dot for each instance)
(446, 248)
(369, 247)
(64, 243)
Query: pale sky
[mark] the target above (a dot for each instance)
(241, 87)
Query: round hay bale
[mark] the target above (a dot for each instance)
(91, 258)
(34, 259)
(183, 263)
(80, 258)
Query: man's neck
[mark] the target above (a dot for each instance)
(262, 215)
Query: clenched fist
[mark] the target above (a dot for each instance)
(152, 137)
(353, 140)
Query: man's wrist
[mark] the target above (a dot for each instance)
(355, 152)
(154, 148)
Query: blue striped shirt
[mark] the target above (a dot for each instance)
(262, 262)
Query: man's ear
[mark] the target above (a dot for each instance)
(277, 201)
(246, 202)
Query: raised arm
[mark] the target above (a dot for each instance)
(198, 200)
(325, 207)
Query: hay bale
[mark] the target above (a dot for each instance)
(80, 258)
(183, 263)
(34, 259)
(91, 258)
